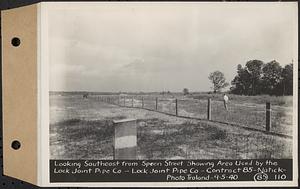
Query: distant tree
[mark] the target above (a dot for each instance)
(287, 80)
(254, 68)
(185, 91)
(218, 80)
(241, 84)
(271, 78)
(259, 78)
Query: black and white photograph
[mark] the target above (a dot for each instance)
(150, 94)
(172, 81)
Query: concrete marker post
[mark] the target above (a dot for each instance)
(125, 139)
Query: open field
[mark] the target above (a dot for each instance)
(240, 112)
(82, 129)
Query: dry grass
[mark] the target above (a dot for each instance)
(82, 129)
(79, 139)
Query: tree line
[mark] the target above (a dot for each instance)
(257, 78)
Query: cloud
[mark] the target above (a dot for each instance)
(153, 47)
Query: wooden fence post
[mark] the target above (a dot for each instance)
(209, 109)
(124, 100)
(176, 107)
(156, 103)
(125, 139)
(268, 116)
(132, 101)
(142, 102)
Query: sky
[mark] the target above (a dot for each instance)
(157, 47)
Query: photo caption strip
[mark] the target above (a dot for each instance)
(170, 170)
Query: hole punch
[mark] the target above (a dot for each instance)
(16, 145)
(16, 41)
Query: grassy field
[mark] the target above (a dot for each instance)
(286, 101)
(82, 129)
(249, 112)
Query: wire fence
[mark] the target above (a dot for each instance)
(257, 117)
